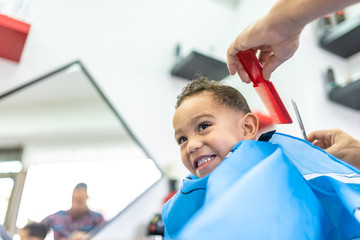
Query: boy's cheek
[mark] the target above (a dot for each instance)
(188, 165)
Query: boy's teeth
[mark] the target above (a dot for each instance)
(204, 160)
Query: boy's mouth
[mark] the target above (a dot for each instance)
(203, 159)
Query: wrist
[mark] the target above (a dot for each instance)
(282, 19)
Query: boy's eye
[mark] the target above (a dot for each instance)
(181, 140)
(202, 126)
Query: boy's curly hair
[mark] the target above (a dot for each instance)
(223, 94)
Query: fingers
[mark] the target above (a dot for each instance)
(244, 76)
(268, 60)
(264, 56)
(315, 135)
(234, 65)
(270, 65)
(321, 138)
(320, 144)
(240, 44)
(334, 150)
(339, 144)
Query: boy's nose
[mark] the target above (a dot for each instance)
(193, 145)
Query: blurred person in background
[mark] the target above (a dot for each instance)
(76, 222)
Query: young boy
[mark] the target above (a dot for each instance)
(209, 120)
(245, 189)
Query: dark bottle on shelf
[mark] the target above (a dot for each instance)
(330, 82)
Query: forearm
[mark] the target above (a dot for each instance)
(290, 16)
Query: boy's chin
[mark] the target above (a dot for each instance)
(202, 174)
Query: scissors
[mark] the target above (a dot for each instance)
(299, 119)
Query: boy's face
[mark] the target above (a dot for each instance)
(206, 131)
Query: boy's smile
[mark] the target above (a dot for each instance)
(204, 163)
(206, 131)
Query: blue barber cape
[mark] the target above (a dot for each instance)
(285, 188)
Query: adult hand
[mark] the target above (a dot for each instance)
(277, 34)
(338, 143)
(277, 42)
(78, 235)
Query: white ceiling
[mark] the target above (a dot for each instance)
(66, 86)
(64, 105)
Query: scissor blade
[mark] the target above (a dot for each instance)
(297, 113)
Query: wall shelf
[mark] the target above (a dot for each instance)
(348, 95)
(344, 39)
(197, 62)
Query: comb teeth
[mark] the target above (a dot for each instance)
(265, 89)
(252, 66)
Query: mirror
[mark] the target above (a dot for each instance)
(68, 132)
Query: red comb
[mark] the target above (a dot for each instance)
(264, 88)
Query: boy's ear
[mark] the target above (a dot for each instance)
(250, 126)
